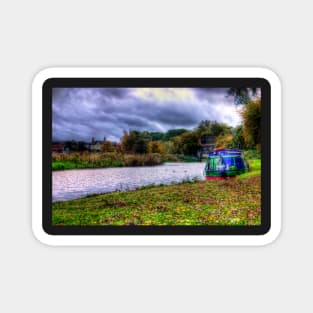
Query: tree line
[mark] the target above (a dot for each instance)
(188, 142)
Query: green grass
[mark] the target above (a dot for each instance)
(254, 169)
(187, 158)
(67, 165)
(255, 165)
(228, 202)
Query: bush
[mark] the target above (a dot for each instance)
(153, 159)
(143, 159)
(169, 158)
(251, 154)
(187, 158)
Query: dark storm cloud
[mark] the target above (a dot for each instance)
(83, 113)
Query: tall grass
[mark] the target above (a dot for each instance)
(63, 161)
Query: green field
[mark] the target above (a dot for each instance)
(230, 202)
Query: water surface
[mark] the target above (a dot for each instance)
(73, 184)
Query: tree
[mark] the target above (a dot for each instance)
(156, 136)
(172, 133)
(135, 142)
(211, 128)
(219, 129)
(242, 95)
(107, 146)
(169, 147)
(204, 127)
(187, 143)
(224, 141)
(155, 147)
(251, 116)
(238, 140)
(140, 146)
(127, 141)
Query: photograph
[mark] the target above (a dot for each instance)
(156, 156)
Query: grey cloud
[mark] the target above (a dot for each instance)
(83, 113)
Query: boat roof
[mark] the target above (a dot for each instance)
(225, 152)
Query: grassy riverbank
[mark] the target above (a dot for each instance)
(229, 202)
(64, 161)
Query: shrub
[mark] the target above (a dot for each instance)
(251, 154)
(169, 158)
(142, 159)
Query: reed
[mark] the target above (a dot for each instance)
(75, 160)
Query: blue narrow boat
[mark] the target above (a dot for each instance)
(223, 163)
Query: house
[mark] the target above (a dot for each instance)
(95, 145)
(77, 146)
(58, 147)
(207, 145)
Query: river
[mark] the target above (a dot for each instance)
(73, 184)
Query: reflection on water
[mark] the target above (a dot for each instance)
(73, 184)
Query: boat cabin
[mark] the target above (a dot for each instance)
(223, 163)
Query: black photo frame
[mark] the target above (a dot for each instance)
(174, 82)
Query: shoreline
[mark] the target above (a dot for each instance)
(67, 166)
(187, 180)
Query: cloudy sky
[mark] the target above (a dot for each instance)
(83, 113)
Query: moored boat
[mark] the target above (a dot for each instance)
(224, 163)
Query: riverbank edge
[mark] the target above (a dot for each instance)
(68, 165)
